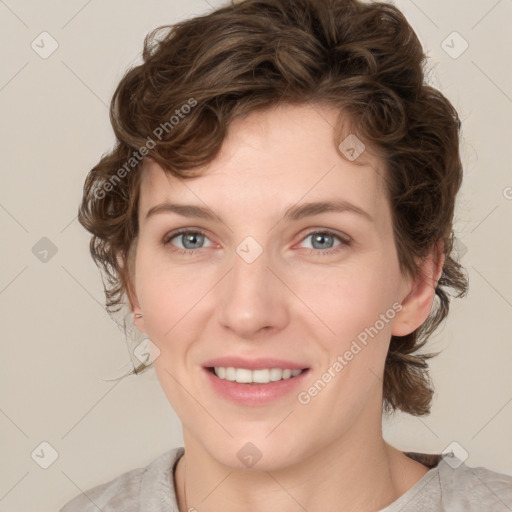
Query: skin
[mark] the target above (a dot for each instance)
(293, 302)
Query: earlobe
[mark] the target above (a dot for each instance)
(138, 318)
(127, 268)
(417, 304)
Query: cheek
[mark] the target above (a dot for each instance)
(351, 298)
(346, 300)
(166, 293)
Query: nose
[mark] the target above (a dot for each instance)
(253, 300)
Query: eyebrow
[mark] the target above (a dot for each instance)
(293, 213)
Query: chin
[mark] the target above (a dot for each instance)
(256, 453)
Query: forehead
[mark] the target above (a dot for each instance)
(271, 159)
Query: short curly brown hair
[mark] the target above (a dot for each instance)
(363, 59)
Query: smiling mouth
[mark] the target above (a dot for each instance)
(261, 376)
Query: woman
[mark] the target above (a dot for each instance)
(277, 215)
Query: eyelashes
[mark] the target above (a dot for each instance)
(171, 236)
(344, 241)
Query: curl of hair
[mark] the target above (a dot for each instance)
(361, 58)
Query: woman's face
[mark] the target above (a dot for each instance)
(312, 288)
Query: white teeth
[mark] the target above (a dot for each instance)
(275, 374)
(246, 376)
(243, 375)
(261, 376)
(230, 374)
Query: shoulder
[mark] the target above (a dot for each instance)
(471, 489)
(453, 486)
(121, 493)
(132, 489)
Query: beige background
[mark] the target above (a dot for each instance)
(59, 346)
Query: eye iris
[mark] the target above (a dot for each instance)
(320, 237)
(191, 237)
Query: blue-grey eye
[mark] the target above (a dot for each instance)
(189, 239)
(322, 241)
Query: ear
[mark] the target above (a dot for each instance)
(132, 296)
(135, 308)
(420, 292)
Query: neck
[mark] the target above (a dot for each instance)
(353, 473)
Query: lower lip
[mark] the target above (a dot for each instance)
(253, 394)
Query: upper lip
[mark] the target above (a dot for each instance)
(253, 364)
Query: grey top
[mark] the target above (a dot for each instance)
(449, 485)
